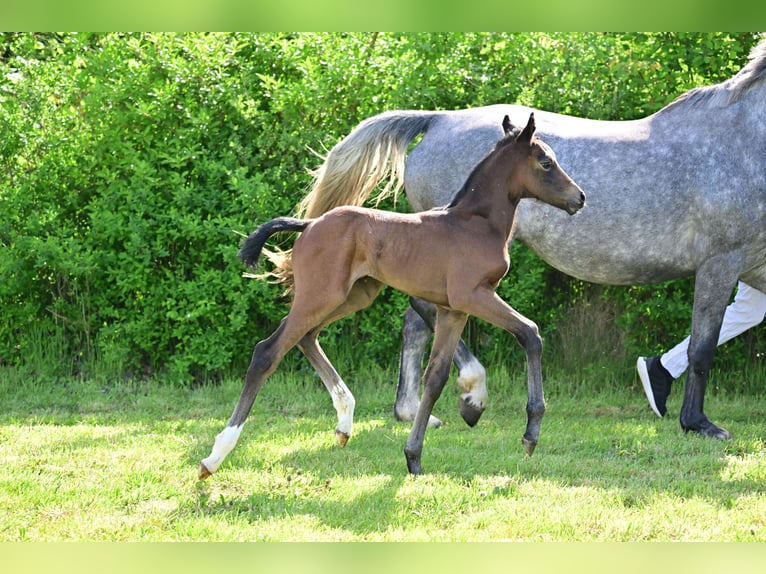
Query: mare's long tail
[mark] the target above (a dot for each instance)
(375, 150)
(251, 249)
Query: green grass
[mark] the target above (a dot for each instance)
(86, 461)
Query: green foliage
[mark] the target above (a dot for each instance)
(128, 163)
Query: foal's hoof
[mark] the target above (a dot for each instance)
(203, 472)
(341, 437)
(470, 413)
(529, 446)
(708, 429)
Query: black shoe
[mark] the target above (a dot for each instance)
(656, 381)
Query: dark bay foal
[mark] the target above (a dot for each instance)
(453, 257)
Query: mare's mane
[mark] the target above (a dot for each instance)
(731, 90)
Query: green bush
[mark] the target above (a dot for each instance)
(129, 163)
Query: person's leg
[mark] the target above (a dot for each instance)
(657, 373)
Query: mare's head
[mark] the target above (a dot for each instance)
(536, 172)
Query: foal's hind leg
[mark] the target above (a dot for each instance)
(362, 294)
(472, 378)
(266, 357)
(448, 328)
(342, 399)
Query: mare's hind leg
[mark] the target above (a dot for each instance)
(415, 337)
(448, 328)
(362, 294)
(472, 377)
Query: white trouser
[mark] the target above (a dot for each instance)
(747, 310)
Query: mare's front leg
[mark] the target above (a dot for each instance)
(448, 328)
(713, 286)
(472, 377)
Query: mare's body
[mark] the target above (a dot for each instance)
(681, 192)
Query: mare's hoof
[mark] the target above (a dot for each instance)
(203, 472)
(529, 446)
(708, 429)
(434, 423)
(470, 413)
(341, 437)
(414, 467)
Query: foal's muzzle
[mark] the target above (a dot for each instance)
(576, 204)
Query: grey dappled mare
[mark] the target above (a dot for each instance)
(681, 192)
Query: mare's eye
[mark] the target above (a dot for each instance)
(546, 163)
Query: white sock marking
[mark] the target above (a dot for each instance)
(473, 379)
(224, 442)
(344, 404)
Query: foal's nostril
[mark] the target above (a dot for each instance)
(582, 197)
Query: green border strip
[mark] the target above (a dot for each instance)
(392, 15)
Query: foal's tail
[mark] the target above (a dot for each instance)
(251, 249)
(374, 150)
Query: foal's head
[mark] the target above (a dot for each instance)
(537, 173)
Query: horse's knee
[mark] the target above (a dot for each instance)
(701, 357)
(263, 361)
(415, 331)
(529, 338)
(437, 373)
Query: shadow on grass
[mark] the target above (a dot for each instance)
(621, 451)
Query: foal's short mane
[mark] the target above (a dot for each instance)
(733, 89)
(506, 140)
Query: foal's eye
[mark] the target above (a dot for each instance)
(546, 163)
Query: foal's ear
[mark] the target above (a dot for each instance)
(507, 126)
(529, 130)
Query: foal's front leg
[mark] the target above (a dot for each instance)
(472, 378)
(449, 327)
(487, 305)
(415, 337)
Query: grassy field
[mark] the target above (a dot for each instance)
(118, 462)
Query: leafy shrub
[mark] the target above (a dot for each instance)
(128, 163)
